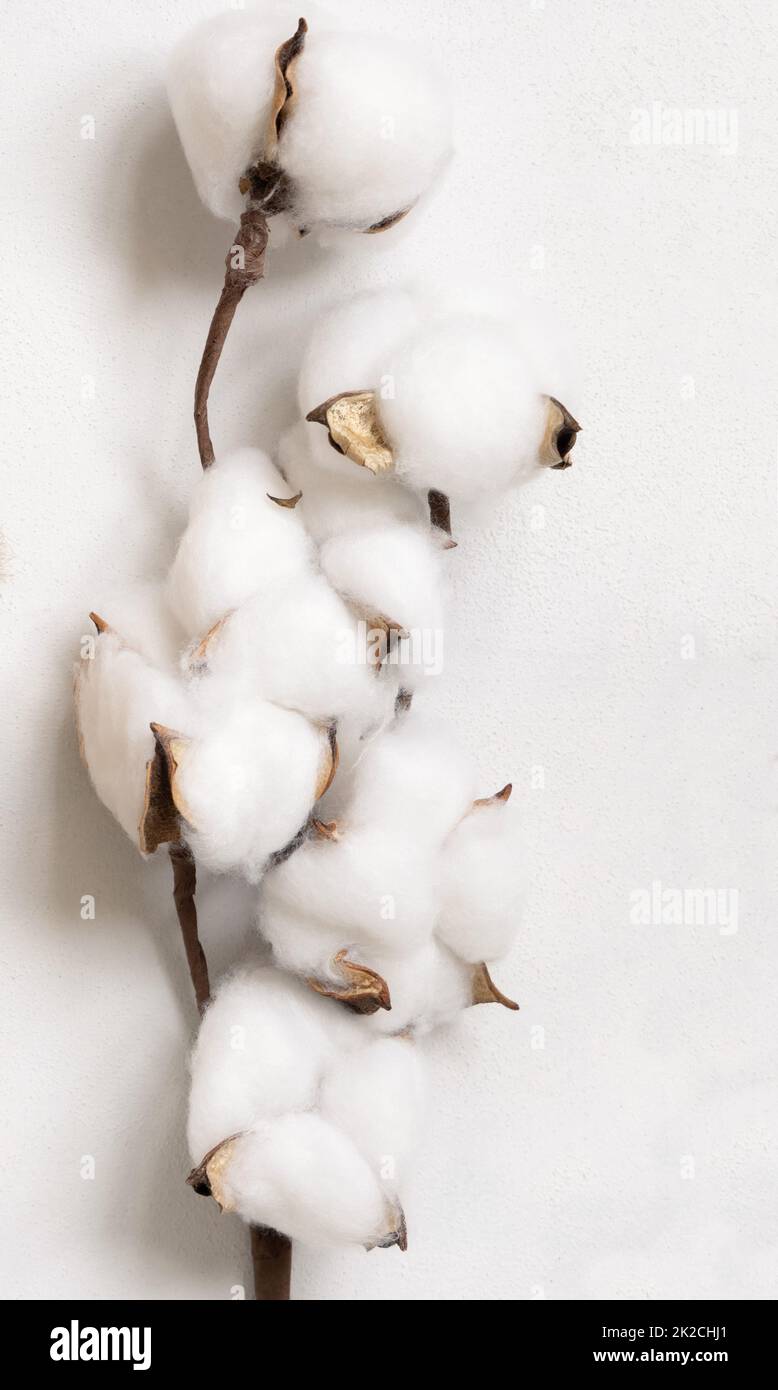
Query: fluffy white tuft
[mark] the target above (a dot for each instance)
(416, 780)
(466, 414)
(247, 784)
(236, 542)
(483, 883)
(337, 497)
(370, 890)
(368, 133)
(297, 643)
(262, 1050)
(429, 987)
(118, 694)
(376, 1094)
(300, 1175)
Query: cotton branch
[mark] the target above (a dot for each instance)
(245, 264)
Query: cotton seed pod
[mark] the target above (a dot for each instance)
(293, 1113)
(238, 541)
(302, 1176)
(117, 694)
(482, 881)
(245, 786)
(331, 128)
(456, 405)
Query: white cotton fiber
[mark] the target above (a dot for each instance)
(140, 613)
(414, 779)
(300, 1175)
(369, 131)
(303, 944)
(296, 643)
(118, 694)
(262, 1050)
(376, 1094)
(220, 84)
(396, 573)
(466, 415)
(429, 988)
(237, 540)
(483, 883)
(248, 783)
(337, 497)
(371, 889)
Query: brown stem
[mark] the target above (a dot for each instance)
(184, 884)
(271, 1256)
(245, 264)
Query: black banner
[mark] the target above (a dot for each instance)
(147, 1339)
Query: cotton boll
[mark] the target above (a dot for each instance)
(237, 540)
(247, 785)
(395, 573)
(142, 615)
(430, 987)
(376, 1094)
(336, 496)
(220, 84)
(483, 883)
(296, 643)
(414, 779)
(117, 696)
(263, 1047)
(302, 1176)
(369, 132)
(466, 416)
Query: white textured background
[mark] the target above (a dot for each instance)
(626, 648)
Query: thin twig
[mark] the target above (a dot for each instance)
(245, 264)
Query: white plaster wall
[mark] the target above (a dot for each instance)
(616, 1137)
